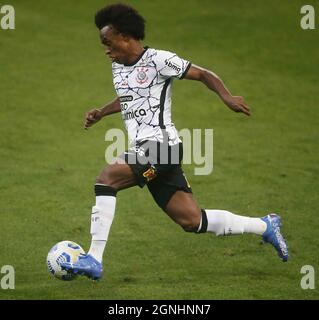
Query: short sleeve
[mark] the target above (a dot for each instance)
(170, 65)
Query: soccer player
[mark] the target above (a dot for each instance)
(143, 78)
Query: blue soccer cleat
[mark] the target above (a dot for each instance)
(85, 266)
(273, 235)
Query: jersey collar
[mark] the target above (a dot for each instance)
(137, 59)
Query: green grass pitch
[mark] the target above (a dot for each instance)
(53, 69)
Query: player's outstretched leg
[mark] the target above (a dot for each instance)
(90, 264)
(183, 209)
(113, 178)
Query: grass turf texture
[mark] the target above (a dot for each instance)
(53, 69)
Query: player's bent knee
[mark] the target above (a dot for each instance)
(189, 225)
(108, 177)
(106, 181)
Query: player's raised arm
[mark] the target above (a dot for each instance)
(213, 82)
(96, 115)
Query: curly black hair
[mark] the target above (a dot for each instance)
(123, 18)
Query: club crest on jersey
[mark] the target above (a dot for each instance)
(141, 75)
(150, 174)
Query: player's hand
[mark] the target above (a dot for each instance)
(91, 117)
(237, 104)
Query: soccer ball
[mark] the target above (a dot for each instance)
(64, 251)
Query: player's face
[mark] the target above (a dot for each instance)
(115, 44)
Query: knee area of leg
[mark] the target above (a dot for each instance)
(189, 225)
(105, 180)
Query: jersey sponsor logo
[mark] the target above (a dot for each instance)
(150, 174)
(141, 75)
(132, 114)
(173, 66)
(126, 98)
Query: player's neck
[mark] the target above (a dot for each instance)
(136, 49)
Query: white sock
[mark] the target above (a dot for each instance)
(101, 221)
(223, 222)
(97, 248)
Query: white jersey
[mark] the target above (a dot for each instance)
(144, 89)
